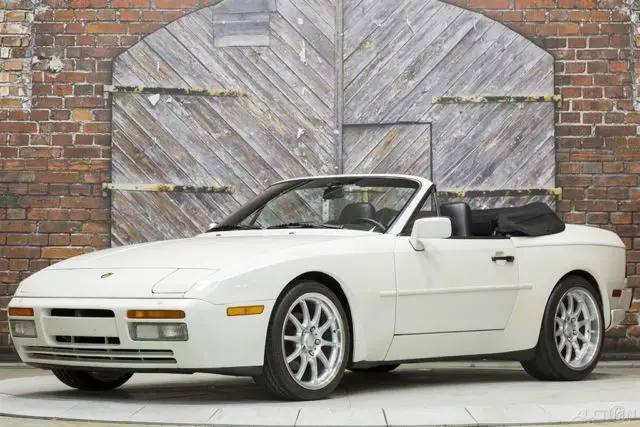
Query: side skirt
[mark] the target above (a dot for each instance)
(517, 356)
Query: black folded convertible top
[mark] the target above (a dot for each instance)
(535, 219)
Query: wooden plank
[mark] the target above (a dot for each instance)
(220, 63)
(365, 19)
(390, 151)
(175, 215)
(149, 145)
(135, 139)
(241, 29)
(376, 56)
(485, 165)
(190, 67)
(388, 37)
(408, 69)
(252, 169)
(338, 96)
(325, 10)
(388, 70)
(290, 118)
(313, 147)
(467, 81)
(244, 6)
(209, 161)
(144, 67)
(214, 58)
(149, 174)
(195, 170)
(319, 15)
(509, 75)
(292, 83)
(414, 160)
(459, 58)
(306, 53)
(312, 80)
(309, 31)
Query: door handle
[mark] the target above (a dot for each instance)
(508, 258)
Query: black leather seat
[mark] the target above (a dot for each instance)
(354, 211)
(460, 215)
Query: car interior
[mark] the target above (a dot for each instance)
(466, 223)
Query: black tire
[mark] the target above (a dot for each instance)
(92, 381)
(547, 364)
(378, 369)
(275, 376)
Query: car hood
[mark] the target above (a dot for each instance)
(165, 267)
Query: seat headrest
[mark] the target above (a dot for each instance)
(460, 215)
(357, 210)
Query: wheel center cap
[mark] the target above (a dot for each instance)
(570, 329)
(309, 341)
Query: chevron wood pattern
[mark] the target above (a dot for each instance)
(281, 129)
(299, 71)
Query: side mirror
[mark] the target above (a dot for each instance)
(211, 225)
(438, 227)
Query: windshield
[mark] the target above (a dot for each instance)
(360, 203)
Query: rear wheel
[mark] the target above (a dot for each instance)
(308, 342)
(378, 369)
(572, 333)
(92, 381)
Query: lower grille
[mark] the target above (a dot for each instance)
(102, 355)
(68, 339)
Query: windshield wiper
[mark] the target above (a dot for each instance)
(304, 225)
(234, 227)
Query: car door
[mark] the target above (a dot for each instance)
(455, 284)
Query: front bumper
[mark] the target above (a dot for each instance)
(215, 342)
(619, 307)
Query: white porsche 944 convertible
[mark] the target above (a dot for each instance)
(319, 275)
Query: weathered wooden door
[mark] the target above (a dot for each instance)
(325, 87)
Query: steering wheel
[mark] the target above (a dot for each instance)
(370, 221)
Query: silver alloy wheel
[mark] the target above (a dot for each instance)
(312, 341)
(577, 328)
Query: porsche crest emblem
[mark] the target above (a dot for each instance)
(105, 275)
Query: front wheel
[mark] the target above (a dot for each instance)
(92, 381)
(308, 343)
(572, 333)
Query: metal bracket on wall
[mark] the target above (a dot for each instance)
(496, 99)
(557, 192)
(193, 91)
(166, 188)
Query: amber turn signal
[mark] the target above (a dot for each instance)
(20, 311)
(245, 310)
(155, 314)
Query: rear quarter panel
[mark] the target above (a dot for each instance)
(544, 261)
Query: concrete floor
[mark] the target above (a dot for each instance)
(501, 371)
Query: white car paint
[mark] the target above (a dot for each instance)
(448, 300)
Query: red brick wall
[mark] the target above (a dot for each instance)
(54, 157)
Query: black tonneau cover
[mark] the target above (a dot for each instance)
(535, 219)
